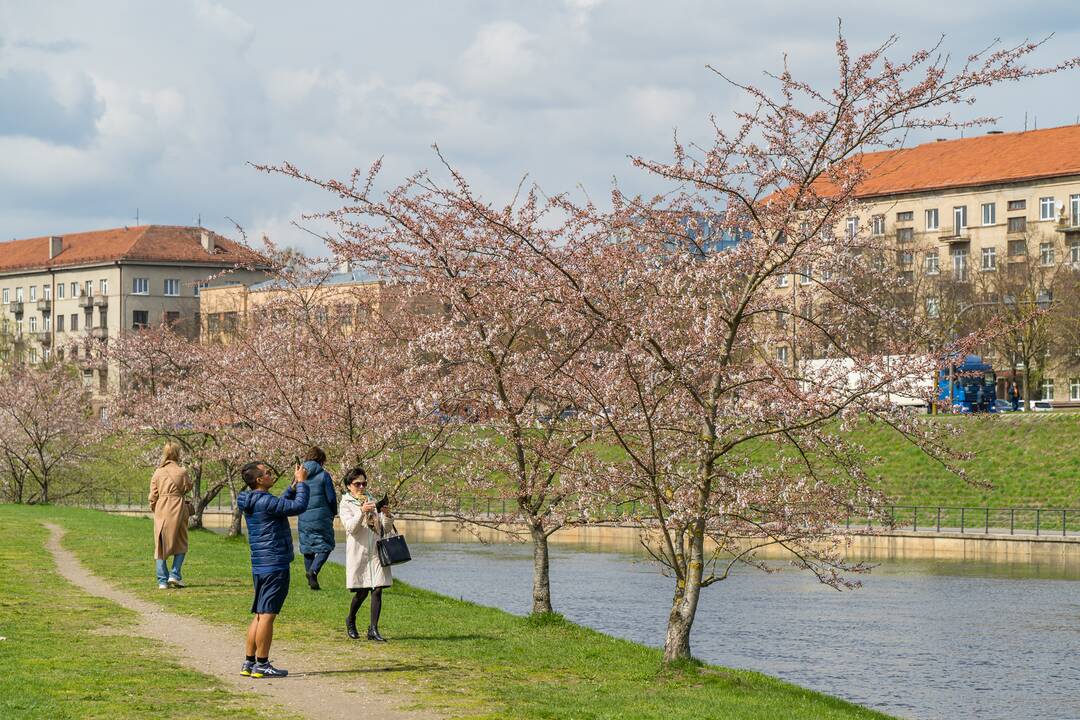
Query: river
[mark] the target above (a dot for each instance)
(919, 639)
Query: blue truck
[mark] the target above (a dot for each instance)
(973, 386)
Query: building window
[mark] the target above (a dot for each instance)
(1046, 389)
(852, 227)
(74, 322)
(199, 286)
(103, 318)
(231, 323)
(33, 293)
(140, 319)
(46, 292)
(1046, 208)
(1017, 248)
(32, 356)
(932, 307)
(932, 266)
(1074, 389)
(805, 275)
(140, 286)
(172, 317)
(103, 286)
(1074, 252)
(33, 323)
(1074, 210)
(959, 263)
(59, 291)
(172, 287)
(59, 323)
(878, 225)
(46, 353)
(905, 257)
(46, 322)
(1046, 253)
(989, 213)
(1017, 205)
(959, 214)
(932, 219)
(74, 290)
(781, 281)
(781, 355)
(989, 258)
(18, 294)
(906, 216)
(89, 288)
(1017, 224)
(905, 234)
(103, 381)
(7, 296)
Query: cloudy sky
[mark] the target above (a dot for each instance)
(110, 108)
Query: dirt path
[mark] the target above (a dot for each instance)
(313, 688)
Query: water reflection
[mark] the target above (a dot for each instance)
(919, 640)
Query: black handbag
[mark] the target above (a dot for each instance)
(393, 550)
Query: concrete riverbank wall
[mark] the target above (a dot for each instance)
(888, 545)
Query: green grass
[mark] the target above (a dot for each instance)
(463, 659)
(67, 654)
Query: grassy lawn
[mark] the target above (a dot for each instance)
(467, 660)
(67, 654)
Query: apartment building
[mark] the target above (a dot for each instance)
(61, 289)
(971, 222)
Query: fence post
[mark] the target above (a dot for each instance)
(961, 521)
(1038, 520)
(915, 520)
(939, 519)
(987, 528)
(1012, 520)
(1062, 523)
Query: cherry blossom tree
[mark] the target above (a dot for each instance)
(47, 430)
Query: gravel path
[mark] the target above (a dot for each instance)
(317, 687)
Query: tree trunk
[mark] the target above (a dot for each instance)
(234, 526)
(541, 590)
(684, 604)
(1027, 388)
(195, 522)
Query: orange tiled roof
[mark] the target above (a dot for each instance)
(152, 243)
(980, 160)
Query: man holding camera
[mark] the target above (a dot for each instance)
(270, 538)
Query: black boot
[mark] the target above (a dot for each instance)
(313, 581)
(350, 628)
(373, 634)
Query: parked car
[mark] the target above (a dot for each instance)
(1003, 405)
(1042, 405)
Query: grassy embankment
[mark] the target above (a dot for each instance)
(66, 654)
(465, 660)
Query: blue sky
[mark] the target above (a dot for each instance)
(111, 107)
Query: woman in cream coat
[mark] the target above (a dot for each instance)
(364, 574)
(168, 487)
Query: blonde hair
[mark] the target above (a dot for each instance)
(171, 451)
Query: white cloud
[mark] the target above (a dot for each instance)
(502, 53)
(239, 31)
(659, 107)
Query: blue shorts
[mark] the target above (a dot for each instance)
(270, 591)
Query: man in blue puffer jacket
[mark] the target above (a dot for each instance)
(270, 538)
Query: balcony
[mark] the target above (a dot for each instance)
(43, 336)
(99, 333)
(91, 363)
(16, 307)
(952, 236)
(101, 301)
(86, 301)
(44, 305)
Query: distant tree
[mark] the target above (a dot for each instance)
(47, 430)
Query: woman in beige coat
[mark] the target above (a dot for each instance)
(364, 574)
(167, 489)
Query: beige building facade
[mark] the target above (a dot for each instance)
(58, 292)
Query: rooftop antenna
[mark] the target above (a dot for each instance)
(1036, 122)
(198, 222)
(136, 217)
(1025, 121)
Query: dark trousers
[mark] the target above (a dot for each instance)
(313, 562)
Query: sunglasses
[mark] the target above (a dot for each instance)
(360, 483)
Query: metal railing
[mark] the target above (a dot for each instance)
(940, 519)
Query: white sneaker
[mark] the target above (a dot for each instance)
(175, 583)
(162, 586)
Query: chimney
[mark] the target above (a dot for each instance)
(345, 267)
(56, 245)
(207, 242)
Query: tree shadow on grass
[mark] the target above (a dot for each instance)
(454, 638)
(361, 670)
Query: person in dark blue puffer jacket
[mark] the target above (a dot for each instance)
(316, 525)
(270, 538)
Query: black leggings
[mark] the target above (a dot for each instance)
(359, 595)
